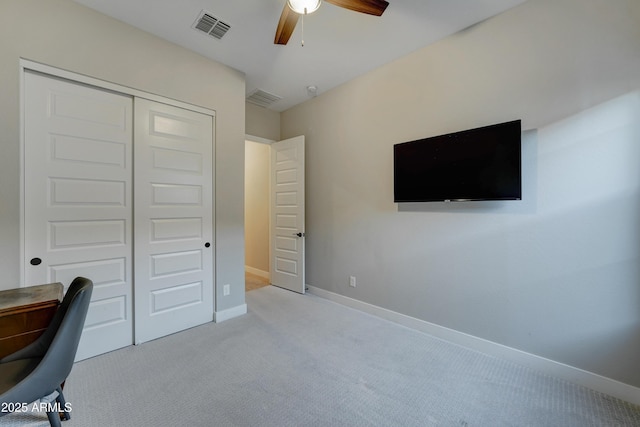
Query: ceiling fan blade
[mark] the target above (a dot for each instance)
(371, 7)
(286, 25)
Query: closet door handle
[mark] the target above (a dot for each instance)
(206, 245)
(35, 261)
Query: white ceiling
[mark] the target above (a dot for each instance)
(339, 44)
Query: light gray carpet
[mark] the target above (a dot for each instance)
(297, 360)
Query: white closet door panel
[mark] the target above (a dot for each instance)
(78, 213)
(174, 219)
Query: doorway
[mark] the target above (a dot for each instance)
(275, 211)
(256, 219)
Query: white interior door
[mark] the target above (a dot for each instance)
(287, 214)
(77, 200)
(173, 219)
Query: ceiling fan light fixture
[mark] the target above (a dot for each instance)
(304, 7)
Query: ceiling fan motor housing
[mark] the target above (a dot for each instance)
(294, 8)
(304, 7)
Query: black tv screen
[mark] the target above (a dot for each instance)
(475, 164)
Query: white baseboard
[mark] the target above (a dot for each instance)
(559, 370)
(230, 313)
(257, 272)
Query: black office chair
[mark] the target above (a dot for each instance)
(37, 371)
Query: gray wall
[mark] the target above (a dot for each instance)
(63, 34)
(556, 274)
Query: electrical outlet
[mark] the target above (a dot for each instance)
(352, 281)
(226, 290)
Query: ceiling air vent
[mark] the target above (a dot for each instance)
(211, 25)
(262, 98)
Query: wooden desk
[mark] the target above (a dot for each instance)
(25, 313)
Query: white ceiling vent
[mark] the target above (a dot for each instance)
(262, 98)
(211, 25)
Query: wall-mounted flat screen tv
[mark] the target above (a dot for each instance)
(475, 164)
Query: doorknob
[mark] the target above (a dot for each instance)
(35, 261)
(206, 245)
(299, 234)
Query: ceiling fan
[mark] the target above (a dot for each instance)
(294, 8)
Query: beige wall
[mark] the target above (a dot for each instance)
(265, 124)
(63, 34)
(555, 274)
(256, 209)
(262, 122)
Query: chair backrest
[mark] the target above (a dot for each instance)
(55, 350)
(41, 345)
(66, 328)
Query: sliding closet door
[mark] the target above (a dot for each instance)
(173, 216)
(77, 200)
